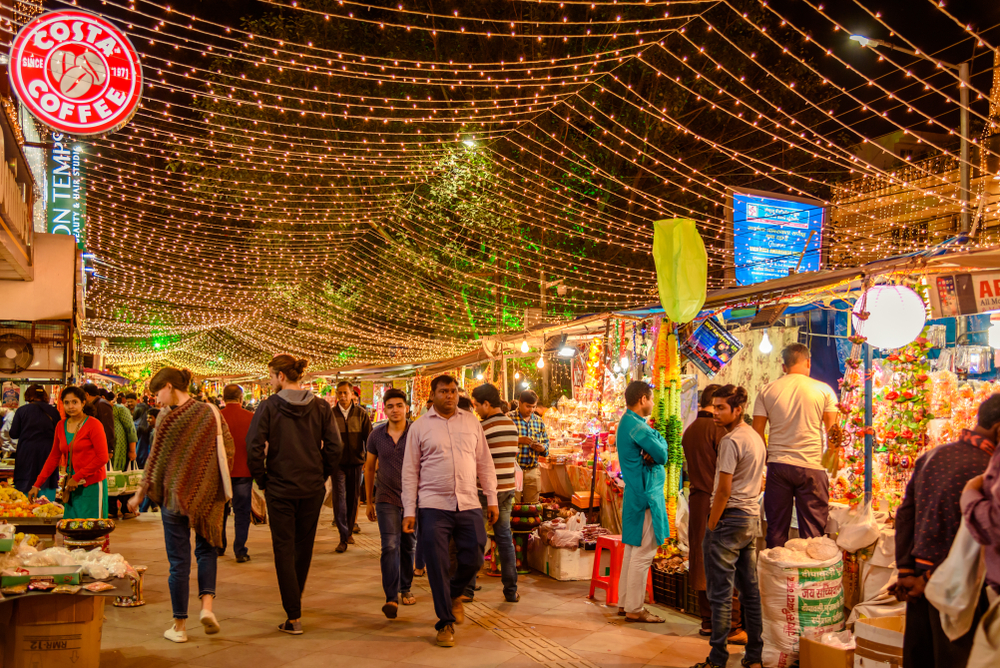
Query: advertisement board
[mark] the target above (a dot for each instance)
(770, 232)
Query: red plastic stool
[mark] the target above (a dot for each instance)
(609, 583)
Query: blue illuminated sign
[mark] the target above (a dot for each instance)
(770, 233)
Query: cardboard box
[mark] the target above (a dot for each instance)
(814, 654)
(563, 564)
(53, 632)
(880, 642)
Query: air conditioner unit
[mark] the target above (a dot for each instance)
(33, 351)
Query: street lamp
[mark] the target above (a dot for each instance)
(963, 97)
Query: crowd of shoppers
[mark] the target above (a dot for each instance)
(436, 484)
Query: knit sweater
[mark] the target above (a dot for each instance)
(182, 473)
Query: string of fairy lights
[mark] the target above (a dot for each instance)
(357, 204)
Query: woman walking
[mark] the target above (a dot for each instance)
(34, 428)
(187, 475)
(81, 440)
(303, 450)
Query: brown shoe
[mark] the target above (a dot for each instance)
(446, 636)
(621, 612)
(390, 609)
(341, 548)
(465, 599)
(644, 617)
(458, 609)
(350, 540)
(737, 637)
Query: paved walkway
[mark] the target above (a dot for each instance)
(553, 626)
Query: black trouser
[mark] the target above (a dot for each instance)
(293, 531)
(925, 643)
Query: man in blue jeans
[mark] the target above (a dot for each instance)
(238, 420)
(501, 436)
(385, 447)
(729, 546)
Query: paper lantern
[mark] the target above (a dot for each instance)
(681, 268)
(896, 316)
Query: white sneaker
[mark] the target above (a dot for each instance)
(210, 623)
(173, 635)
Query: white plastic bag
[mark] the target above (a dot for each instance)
(568, 540)
(859, 531)
(518, 478)
(683, 515)
(956, 585)
(576, 522)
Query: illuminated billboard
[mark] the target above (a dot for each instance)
(770, 233)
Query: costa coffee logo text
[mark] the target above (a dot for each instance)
(76, 73)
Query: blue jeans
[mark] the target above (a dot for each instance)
(437, 528)
(241, 515)
(397, 551)
(177, 539)
(731, 557)
(505, 546)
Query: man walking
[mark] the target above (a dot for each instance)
(798, 409)
(701, 451)
(355, 427)
(927, 522)
(642, 454)
(446, 451)
(102, 409)
(729, 547)
(238, 421)
(501, 437)
(386, 446)
(123, 453)
(303, 448)
(533, 441)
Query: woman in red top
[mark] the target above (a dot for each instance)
(82, 441)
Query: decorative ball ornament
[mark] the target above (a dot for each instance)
(896, 316)
(76, 73)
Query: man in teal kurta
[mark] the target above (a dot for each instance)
(642, 454)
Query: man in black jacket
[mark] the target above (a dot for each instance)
(303, 450)
(355, 426)
(102, 409)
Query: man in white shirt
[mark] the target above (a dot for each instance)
(446, 451)
(730, 539)
(799, 409)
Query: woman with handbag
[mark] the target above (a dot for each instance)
(81, 440)
(187, 475)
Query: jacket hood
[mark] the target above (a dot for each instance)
(295, 403)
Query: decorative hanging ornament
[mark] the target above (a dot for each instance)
(765, 345)
(76, 73)
(895, 316)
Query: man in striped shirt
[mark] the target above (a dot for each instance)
(501, 436)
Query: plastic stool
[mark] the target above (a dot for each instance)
(609, 583)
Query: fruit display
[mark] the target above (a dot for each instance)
(10, 495)
(85, 529)
(524, 523)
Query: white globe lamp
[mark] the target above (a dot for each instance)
(896, 316)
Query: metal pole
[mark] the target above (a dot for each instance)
(964, 167)
(869, 437)
(546, 371)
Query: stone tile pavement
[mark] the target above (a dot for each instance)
(553, 626)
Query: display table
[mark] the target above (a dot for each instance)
(555, 478)
(35, 525)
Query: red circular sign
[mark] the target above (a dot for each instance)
(76, 72)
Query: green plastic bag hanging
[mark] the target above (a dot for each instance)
(681, 268)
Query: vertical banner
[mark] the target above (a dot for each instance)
(367, 392)
(66, 199)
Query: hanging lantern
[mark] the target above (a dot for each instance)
(896, 316)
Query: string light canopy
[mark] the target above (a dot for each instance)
(391, 182)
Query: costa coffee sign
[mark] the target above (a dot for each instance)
(76, 72)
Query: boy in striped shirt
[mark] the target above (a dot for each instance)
(501, 436)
